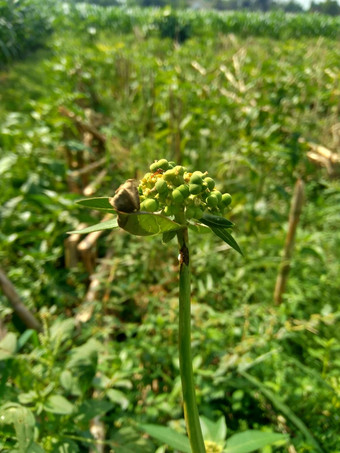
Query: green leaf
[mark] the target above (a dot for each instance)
(99, 203)
(23, 421)
(34, 448)
(284, 408)
(61, 330)
(69, 382)
(168, 436)
(146, 223)
(129, 440)
(28, 397)
(198, 228)
(107, 225)
(167, 236)
(214, 431)
(57, 404)
(93, 408)
(116, 396)
(25, 337)
(7, 162)
(76, 145)
(8, 346)
(216, 221)
(252, 440)
(226, 237)
(85, 355)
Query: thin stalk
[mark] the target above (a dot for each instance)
(185, 360)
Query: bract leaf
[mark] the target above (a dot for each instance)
(168, 436)
(214, 431)
(226, 237)
(168, 235)
(107, 225)
(99, 203)
(198, 228)
(146, 223)
(216, 221)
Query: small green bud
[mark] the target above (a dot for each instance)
(172, 164)
(179, 170)
(196, 178)
(149, 205)
(174, 177)
(209, 182)
(226, 199)
(178, 181)
(161, 186)
(198, 213)
(218, 195)
(177, 196)
(184, 189)
(195, 189)
(162, 163)
(169, 174)
(212, 201)
(190, 211)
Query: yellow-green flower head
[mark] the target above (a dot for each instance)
(169, 189)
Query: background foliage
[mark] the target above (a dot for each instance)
(177, 85)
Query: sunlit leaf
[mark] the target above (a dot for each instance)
(8, 346)
(58, 404)
(216, 221)
(214, 431)
(98, 203)
(197, 228)
(146, 223)
(116, 396)
(107, 225)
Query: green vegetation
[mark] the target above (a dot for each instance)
(182, 24)
(245, 106)
(24, 26)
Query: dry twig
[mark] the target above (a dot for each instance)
(294, 215)
(20, 309)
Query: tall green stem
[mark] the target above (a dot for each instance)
(185, 359)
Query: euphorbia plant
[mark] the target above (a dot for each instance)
(170, 200)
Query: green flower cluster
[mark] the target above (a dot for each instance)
(171, 189)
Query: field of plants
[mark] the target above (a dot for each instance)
(100, 95)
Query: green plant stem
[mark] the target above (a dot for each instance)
(185, 359)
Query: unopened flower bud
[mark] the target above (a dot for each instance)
(226, 199)
(149, 205)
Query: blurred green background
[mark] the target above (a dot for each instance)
(246, 96)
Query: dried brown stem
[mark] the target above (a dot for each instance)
(20, 309)
(294, 216)
(71, 251)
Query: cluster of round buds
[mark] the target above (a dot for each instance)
(171, 189)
